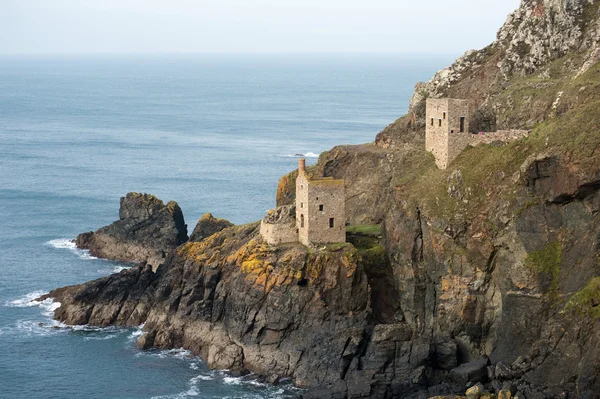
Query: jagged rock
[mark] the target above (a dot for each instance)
(446, 355)
(502, 371)
(472, 372)
(147, 230)
(501, 259)
(207, 226)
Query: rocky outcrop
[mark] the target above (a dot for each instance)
(147, 230)
(207, 226)
(277, 311)
(483, 277)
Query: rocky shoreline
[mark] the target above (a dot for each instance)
(480, 278)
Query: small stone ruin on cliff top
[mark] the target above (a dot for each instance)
(447, 130)
(319, 216)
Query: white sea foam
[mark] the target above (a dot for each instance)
(101, 337)
(202, 377)
(116, 269)
(138, 332)
(167, 353)
(232, 380)
(300, 155)
(26, 301)
(66, 243)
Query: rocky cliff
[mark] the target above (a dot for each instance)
(146, 231)
(485, 272)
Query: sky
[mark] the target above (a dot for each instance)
(249, 26)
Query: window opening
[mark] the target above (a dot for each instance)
(301, 220)
(321, 207)
(331, 223)
(462, 124)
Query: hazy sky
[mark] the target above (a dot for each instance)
(390, 26)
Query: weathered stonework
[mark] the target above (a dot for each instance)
(320, 209)
(320, 213)
(279, 226)
(500, 136)
(447, 129)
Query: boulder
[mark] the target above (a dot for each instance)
(147, 230)
(475, 391)
(445, 355)
(207, 226)
(472, 372)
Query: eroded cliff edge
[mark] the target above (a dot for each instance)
(489, 270)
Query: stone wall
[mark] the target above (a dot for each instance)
(443, 136)
(279, 225)
(502, 136)
(436, 137)
(318, 201)
(326, 211)
(302, 207)
(279, 233)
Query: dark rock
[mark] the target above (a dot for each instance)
(509, 387)
(446, 355)
(496, 386)
(146, 341)
(147, 230)
(470, 373)
(502, 371)
(207, 226)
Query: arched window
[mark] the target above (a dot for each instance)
(301, 220)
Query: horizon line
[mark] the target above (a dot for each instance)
(134, 53)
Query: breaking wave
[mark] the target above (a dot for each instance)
(65, 243)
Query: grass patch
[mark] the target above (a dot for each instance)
(586, 302)
(547, 261)
(365, 229)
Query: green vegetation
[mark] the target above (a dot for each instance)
(365, 229)
(529, 204)
(487, 170)
(547, 261)
(367, 239)
(586, 302)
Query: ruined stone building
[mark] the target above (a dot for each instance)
(447, 130)
(319, 216)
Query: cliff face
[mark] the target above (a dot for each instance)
(487, 271)
(280, 311)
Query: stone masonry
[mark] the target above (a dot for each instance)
(279, 225)
(319, 216)
(320, 208)
(447, 129)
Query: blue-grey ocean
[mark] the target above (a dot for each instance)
(212, 132)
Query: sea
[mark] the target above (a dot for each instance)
(212, 132)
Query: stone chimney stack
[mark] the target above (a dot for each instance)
(301, 165)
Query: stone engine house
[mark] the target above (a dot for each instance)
(447, 129)
(319, 216)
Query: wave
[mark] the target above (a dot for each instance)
(139, 331)
(166, 353)
(116, 269)
(48, 306)
(300, 155)
(66, 243)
